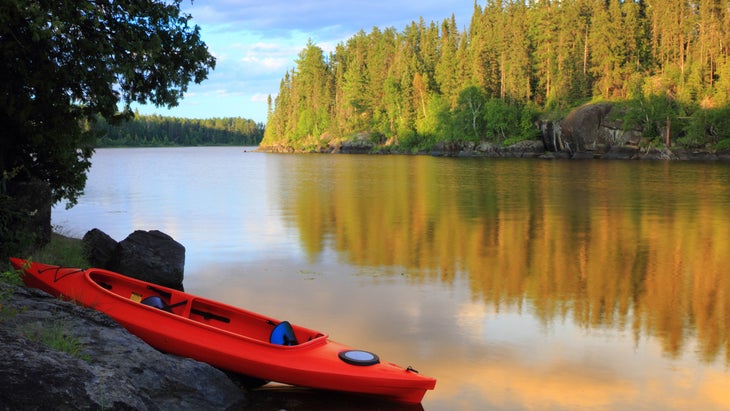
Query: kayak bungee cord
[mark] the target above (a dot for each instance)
(58, 268)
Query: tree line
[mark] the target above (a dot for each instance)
(155, 130)
(517, 60)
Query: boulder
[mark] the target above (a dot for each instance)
(111, 369)
(99, 247)
(151, 256)
(581, 129)
(590, 128)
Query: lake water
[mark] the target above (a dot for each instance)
(518, 284)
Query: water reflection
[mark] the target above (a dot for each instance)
(281, 397)
(642, 249)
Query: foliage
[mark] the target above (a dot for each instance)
(723, 144)
(650, 114)
(168, 131)
(432, 82)
(690, 126)
(10, 277)
(65, 63)
(500, 118)
(62, 250)
(469, 115)
(712, 125)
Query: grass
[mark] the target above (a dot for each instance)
(55, 336)
(13, 278)
(62, 250)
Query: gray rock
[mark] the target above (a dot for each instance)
(151, 256)
(526, 148)
(590, 128)
(621, 153)
(99, 247)
(116, 371)
(360, 145)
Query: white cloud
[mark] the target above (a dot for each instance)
(256, 42)
(269, 63)
(308, 15)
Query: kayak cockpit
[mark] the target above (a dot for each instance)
(211, 313)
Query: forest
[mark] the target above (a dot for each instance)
(516, 63)
(158, 130)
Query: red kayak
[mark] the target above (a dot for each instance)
(228, 337)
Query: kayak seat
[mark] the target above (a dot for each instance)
(283, 334)
(155, 301)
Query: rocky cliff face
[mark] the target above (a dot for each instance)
(590, 128)
(115, 371)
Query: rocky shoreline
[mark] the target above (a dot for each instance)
(102, 365)
(112, 370)
(523, 149)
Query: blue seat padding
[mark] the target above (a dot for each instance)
(283, 334)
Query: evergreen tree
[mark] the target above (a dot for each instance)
(312, 97)
(425, 83)
(446, 71)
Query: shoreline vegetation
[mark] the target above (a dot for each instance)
(525, 149)
(162, 131)
(664, 65)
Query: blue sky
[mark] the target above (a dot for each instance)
(256, 42)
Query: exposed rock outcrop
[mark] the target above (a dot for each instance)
(591, 128)
(113, 370)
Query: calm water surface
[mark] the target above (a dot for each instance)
(540, 285)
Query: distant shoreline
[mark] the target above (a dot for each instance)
(524, 149)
